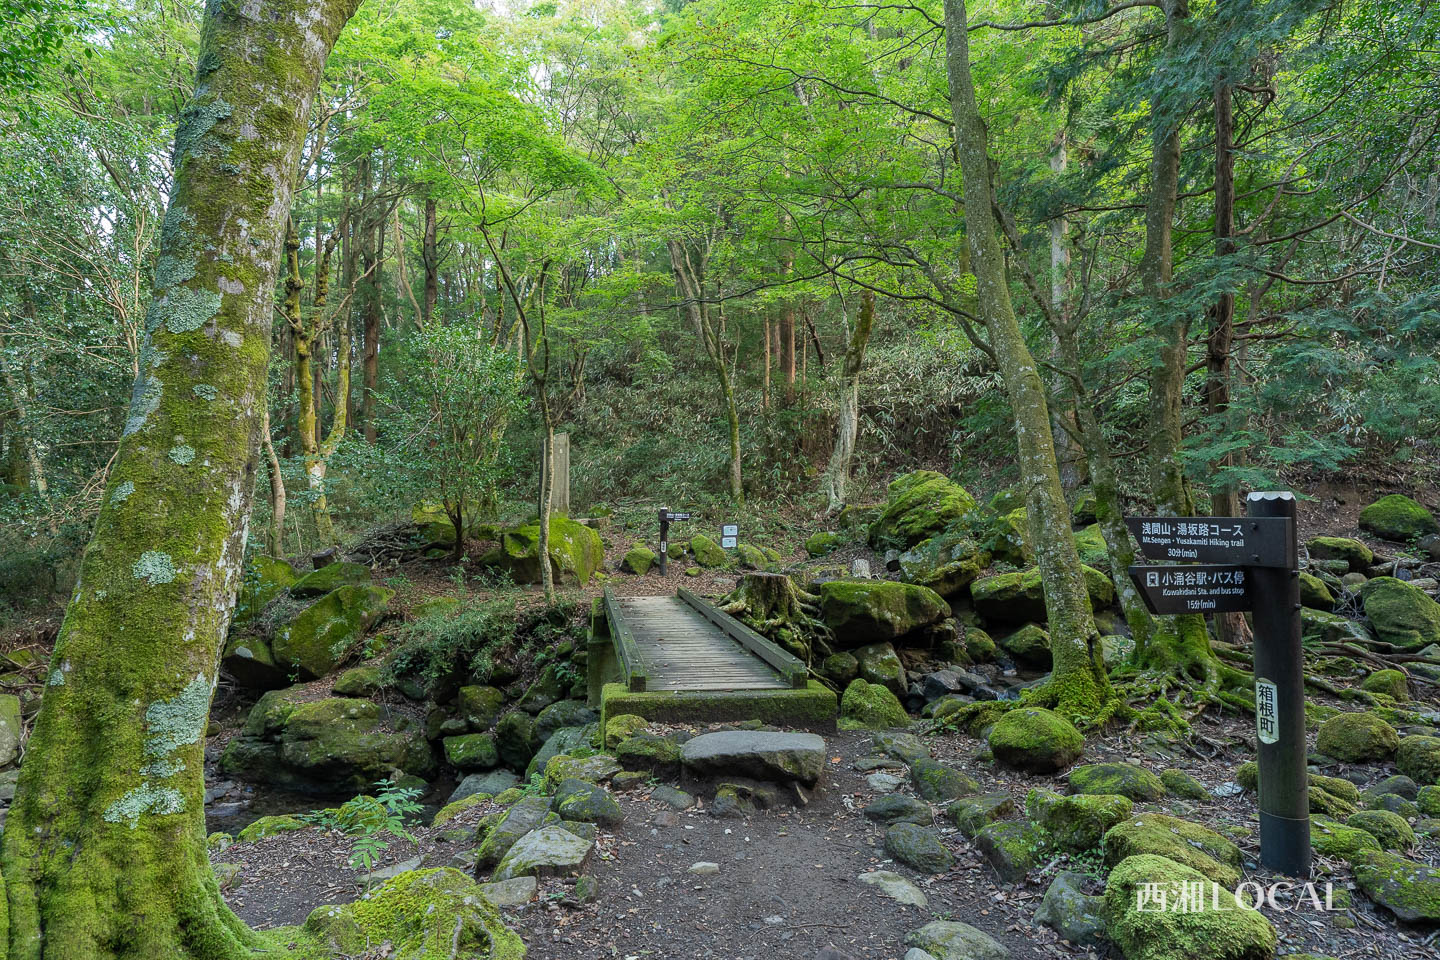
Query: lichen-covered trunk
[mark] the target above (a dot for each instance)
(104, 848)
(27, 471)
(847, 421)
(1079, 685)
(275, 536)
(1179, 643)
(429, 254)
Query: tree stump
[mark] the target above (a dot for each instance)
(772, 604)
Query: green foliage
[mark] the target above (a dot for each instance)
(372, 821)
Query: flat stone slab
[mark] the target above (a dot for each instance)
(759, 754)
(951, 940)
(515, 892)
(896, 887)
(547, 852)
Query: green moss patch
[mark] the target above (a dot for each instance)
(1399, 518)
(811, 708)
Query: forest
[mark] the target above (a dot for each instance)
(930, 480)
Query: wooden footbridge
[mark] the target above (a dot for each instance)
(682, 658)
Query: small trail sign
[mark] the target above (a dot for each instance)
(1256, 542)
(729, 535)
(666, 515)
(1193, 589)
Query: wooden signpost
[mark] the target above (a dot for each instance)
(665, 517)
(1247, 564)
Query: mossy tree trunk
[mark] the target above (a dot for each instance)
(847, 421)
(1079, 686)
(1180, 643)
(104, 852)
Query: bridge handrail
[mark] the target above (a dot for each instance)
(631, 663)
(791, 668)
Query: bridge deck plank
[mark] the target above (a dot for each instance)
(684, 651)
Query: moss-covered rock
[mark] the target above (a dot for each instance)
(822, 543)
(841, 668)
(1018, 596)
(358, 682)
(516, 739)
(1090, 545)
(918, 848)
(325, 632)
(1428, 799)
(972, 814)
(1357, 556)
(251, 662)
(1314, 593)
(1407, 889)
(269, 827)
(1036, 739)
(586, 802)
(708, 553)
(1144, 930)
(1389, 682)
(1357, 738)
(638, 560)
(421, 914)
(499, 832)
(1009, 537)
(452, 810)
(1333, 839)
(979, 646)
(576, 552)
(265, 578)
(647, 752)
(479, 706)
(1078, 823)
(952, 940)
(1389, 829)
(472, 751)
(1320, 626)
(866, 611)
(620, 727)
(1030, 646)
(938, 783)
(1180, 784)
(1083, 512)
(1419, 759)
(1197, 847)
(919, 505)
(751, 557)
(1401, 613)
(1126, 779)
(1012, 848)
(946, 563)
(330, 577)
(1399, 518)
(879, 663)
(870, 706)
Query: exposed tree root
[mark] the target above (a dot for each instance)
(773, 605)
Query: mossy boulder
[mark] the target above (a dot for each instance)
(265, 578)
(841, 668)
(870, 706)
(1314, 593)
(1357, 738)
(1190, 844)
(516, 739)
(1407, 889)
(1126, 779)
(1090, 545)
(972, 814)
(479, 706)
(1400, 613)
(822, 543)
(330, 577)
(638, 560)
(1012, 848)
(251, 663)
(952, 940)
(649, 753)
(751, 557)
(918, 848)
(879, 663)
(1389, 682)
(1180, 784)
(358, 682)
(586, 802)
(708, 553)
(1389, 829)
(269, 827)
(1030, 646)
(1357, 556)
(1077, 823)
(1428, 799)
(938, 783)
(918, 506)
(1333, 839)
(1083, 512)
(947, 563)
(499, 831)
(620, 727)
(868, 611)
(472, 751)
(1318, 625)
(1018, 596)
(1036, 740)
(576, 552)
(328, 630)
(1143, 930)
(1009, 537)
(420, 914)
(1399, 518)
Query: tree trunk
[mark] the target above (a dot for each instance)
(1179, 643)
(275, 536)
(1079, 686)
(23, 452)
(370, 254)
(765, 383)
(104, 855)
(1070, 461)
(847, 423)
(430, 256)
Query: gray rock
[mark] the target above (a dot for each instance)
(860, 568)
(586, 802)
(523, 817)
(941, 683)
(704, 869)
(884, 782)
(938, 783)
(1071, 912)
(1398, 784)
(898, 808)
(918, 848)
(763, 755)
(972, 814)
(915, 953)
(515, 892)
(377, 877)
(869, 764)
(546, 852)
(561, 741)
(673, 798)
(495, 782)
(739, 800)
(895, 887)
(902, 746)
(950, 940)
(1011, 848)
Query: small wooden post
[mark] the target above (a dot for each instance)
(560, 464)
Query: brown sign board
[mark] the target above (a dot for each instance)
(1193, 588)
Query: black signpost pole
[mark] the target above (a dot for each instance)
(1280, 702)
(664, 538)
